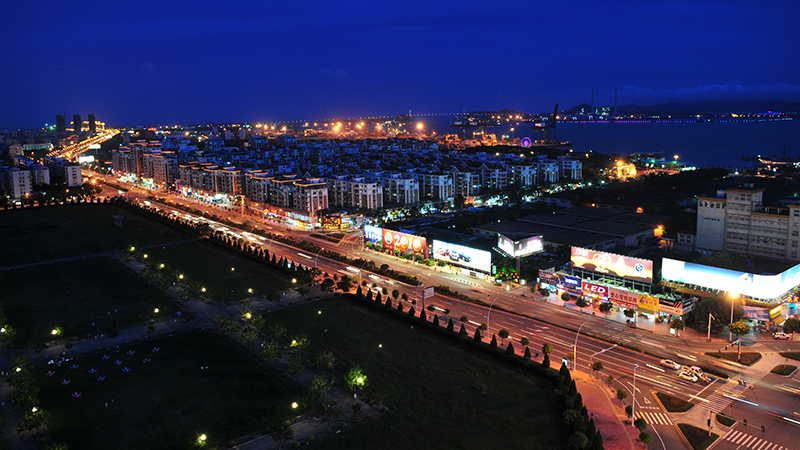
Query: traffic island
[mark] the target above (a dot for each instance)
(698, 438)
(673, 404)
(791, 355)
(725, 421)
(746, 358)
(784, 369)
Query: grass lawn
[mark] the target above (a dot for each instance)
(167, 402)
(791, 355)
(74, 294)
(45, 233)
(673, 404)
(725, 420)
(698, 438)
(747, 358)
(211, 264)
(784, 369)
(446, 395)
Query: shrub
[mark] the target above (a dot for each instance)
(747, 358)
(784, 369)
(698, 438)
(725, 421)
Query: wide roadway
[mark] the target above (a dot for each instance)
(544, 322)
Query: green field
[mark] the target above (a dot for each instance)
(46, 233)
(74, 294)
(446, 395)
(211, 265)
(165, 403)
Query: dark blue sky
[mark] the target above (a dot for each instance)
(165, 61)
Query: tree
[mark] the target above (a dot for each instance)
(605, 307)
(524, 341)
(629, 313)
(645, 438)
(270, 351)
(581, 303)
(738, 329)
(450, 326)
(493, 343)
(547, 348)
(404, 297)
(527, 354)
(276, 331)
(640, 424)
(435, 320)
(629, 410)
(355, 379)
(33, 418)
(294, 366)
(345, 284)
(371, 399)
(478, 337)
(317, 390)
(577, 441)
(510, 349)
(462, 333)
(610, 379)
(331, 412)
(395, 294)
(464, 319)
(282, 433)
(597, 366)
(299, 345)
(565, 296)
(622, 394)
(546, 361)
(503, 333)
(327, 285)
(677, 325)
(791, 326)
(325, 360)
(369, 295)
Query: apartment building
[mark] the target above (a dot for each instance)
(736, 221)
(17, 182)
(355, 191)
(436, 186)
(399, 188)
(310, 195)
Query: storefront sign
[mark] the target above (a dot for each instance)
(622, 298)
(595, 290)
(648, 304)
(673, 307)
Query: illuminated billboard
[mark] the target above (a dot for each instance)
(520, 248)
(405, 243)
(86, 159)
(743, 283)
(373, 234)
(617, 265)
(479, 260)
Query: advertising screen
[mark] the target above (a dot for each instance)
(756, 286)
(405, 243)
(464, 256)
(373, 234)
(86, 159)
(621, 266)
(520, 248)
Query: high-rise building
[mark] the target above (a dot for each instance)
(61, 123)
(92, 124)
(76, 122)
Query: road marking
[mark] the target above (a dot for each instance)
(704, 389)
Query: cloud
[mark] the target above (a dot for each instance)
(338, 73)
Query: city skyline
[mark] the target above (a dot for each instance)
(248, 62)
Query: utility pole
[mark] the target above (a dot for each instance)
(709, 325)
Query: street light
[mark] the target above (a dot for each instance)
(633, 396)
(709, 325)
(575, 348)
(489, 313)
(733, 297)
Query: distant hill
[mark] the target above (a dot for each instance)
(716, 106)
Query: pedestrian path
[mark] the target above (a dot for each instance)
(749, 441)
(655, 418)
(721, 397)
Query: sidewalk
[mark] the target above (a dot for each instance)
(600, 401)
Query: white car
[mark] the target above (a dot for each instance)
(693, 370)
(670, 363)
(688, 376)
(780, 335)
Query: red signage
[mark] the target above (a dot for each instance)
(405, 243)
(624, 299)
(595, 290)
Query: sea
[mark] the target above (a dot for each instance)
(705, 144)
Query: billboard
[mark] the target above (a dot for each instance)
(597, 291)
(623, 299)
(744, 283)
(373, 234)
(674, 307)
(648, 304)
(86, 159)
(405, 243)
(479, 260)
(634, 269)
(520, 248)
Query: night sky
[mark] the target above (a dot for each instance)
(168, 62)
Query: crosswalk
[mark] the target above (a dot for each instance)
(655, 418)
(720, 398)
(752, 442)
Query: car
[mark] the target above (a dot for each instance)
(693, 370)
(688, 376)
(670, 363)
(780, 335)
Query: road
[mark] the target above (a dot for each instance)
(548, 320)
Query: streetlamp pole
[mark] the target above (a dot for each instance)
(489, 314)
(359, 272)
(575, 348)
(709, 325)
(315, 259)
(633, 396)
(733, 298)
